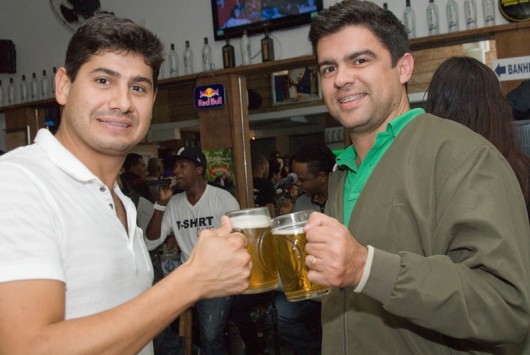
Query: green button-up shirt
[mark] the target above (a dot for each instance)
(357, 176)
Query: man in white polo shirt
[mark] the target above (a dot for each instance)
(75, 274)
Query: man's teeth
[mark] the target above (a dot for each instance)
(115, 124)
(350, 98)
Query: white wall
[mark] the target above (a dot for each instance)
(41, 40)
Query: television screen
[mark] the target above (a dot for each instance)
(232, 17)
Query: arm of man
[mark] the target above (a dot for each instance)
(154, 228)
(474, 263)
(32, 312)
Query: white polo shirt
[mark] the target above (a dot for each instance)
(57, 221)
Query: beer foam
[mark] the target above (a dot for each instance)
(251, 221)
(289, 231)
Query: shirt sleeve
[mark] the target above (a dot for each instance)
(30, 242)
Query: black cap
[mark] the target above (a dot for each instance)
(190, 153)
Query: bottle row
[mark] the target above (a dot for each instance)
(172, 63)
(28, 90)
(452, 16)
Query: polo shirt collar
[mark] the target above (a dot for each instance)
(62, 158)
(347, 158)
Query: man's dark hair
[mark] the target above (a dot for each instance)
(382, 23)
(318, 157)
(106, 32)
(131, 160)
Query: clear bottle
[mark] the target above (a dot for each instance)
(489, 12)
(432, 18)
(452, 16)
(206, 55)
(188, 59)
(470, 13)
(3, 99)
(24, 90)
(267, 47)
(409, 20)
(34, 88)
(229, 60)
(52, 81)
(245, 49)
(11, 93)
(45, 88)
(172, 61)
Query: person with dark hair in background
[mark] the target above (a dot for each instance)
(312, 164)
(425, 238)
(133, 176)
(75, 275)
(198, 207)
(298, 322)
(477, 102)
(264, 191)
(245, 305)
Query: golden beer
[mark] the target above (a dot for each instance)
(289, 250)
(264, 275)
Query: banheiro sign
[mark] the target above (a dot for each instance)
(516, 68)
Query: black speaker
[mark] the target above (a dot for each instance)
(8, 57)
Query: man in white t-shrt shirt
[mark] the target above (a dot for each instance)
(200, 206)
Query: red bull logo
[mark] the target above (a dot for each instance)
(209, 96)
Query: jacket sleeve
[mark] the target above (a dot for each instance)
(472, 282)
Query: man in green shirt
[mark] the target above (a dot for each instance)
(425, 240)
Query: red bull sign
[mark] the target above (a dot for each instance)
(209, 96)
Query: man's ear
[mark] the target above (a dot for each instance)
(406, 66)
(62, 86)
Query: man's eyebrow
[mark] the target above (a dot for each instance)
(113, 73)
(349, 57)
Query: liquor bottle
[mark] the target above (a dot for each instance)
(34, 88)
(267, 48)
(470, 13)
(452, 16)
(188, 59)
(432, 18)
(24, 90)
(385, 6)
(409, 20)
(489, 12)
(206, 56)
(172, 61)
(245, 49)
(229, 60)
(11, 93)
(52, 81)
(44, 86)
(3, 99)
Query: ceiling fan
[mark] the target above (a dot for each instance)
(74, 13)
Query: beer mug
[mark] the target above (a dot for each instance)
(289, 250)
(255, 224)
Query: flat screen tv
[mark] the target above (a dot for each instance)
(232, 17)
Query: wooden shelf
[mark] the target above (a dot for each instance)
(447, 39)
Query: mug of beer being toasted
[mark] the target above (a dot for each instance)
(255, 224)
(289, 250)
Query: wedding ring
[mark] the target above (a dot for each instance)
(313, 261)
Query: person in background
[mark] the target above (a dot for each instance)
(285, 204)
(298, 322)
(312, 164)
(425, 237)
(154, 172)
(264, 191)
(244, 306)
(198, 207)
(75, 275)
(134, 173)
(479, 104)
(275, 170)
